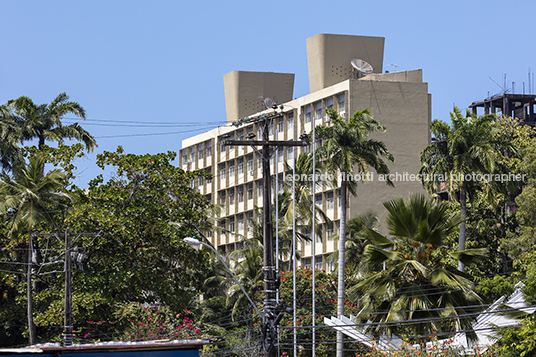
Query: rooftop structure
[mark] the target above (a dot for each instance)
(519, 106)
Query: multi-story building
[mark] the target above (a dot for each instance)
(400, 101)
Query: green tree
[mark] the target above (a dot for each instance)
(138, 256)
(248, 264)
(356, 239)
(470, 145)
(302, 200)
(44, 122)
(347, 149)
(30, 195)
(10, 153)
(416, 285)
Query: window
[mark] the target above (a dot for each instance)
(318, 263)
(307, 263)
(231, 169)
(241, 193)
(241, 166)
(307, 114)
(185, 156)
(241, 137)
(290, 121)
(231, 196)
(339, 198)
(318, 236)
(232, 225)
(222, 145)
(329, 200)
(201, 151)
(341, 99)
(318, 110)
(318, 200)
(240, 222)
(209, 148)
(250, 165)
(330, 265)
(208, 170)
(192, 153)
(329, 103)
(290, 153)
(280, 153)
(222, 197)
(271, 128)
(280, 125)
(259, 189)
(201, 180)
(223, 171)
(250, 191)
(250, 220)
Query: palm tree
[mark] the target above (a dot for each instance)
(29, 195)
(303, 200)
(248, 270)
(356, 239)
(43, 122)
(416, 286)
(347, 149)
(469, 146)
(9, 150)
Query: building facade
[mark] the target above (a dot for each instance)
(400, 101)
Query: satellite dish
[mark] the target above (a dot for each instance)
(269, 102)
(361, 66)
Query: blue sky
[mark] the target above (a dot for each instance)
(150, 73)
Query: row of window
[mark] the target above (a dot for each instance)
(199, 151)
(341, 103)
(200, 148)
(306, 263)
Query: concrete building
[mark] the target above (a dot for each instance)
(400, 101)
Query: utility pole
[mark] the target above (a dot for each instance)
(272, 312)
(68, 308)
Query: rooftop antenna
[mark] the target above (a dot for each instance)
(361, 66)
(396, 66)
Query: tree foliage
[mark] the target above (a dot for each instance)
(416, 286)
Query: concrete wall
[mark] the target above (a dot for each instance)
(402, 76)
(404, 109)
(329, 57)
(245, 91)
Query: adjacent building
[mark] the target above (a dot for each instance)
(400, 101)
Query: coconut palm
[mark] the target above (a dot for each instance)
(248, 265)
(416, 286)
(29, 195)
(10, 153)
(44, 122)
(468, 146)
(347, 149)
(302, 200)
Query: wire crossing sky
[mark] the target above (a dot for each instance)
(150, 74)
